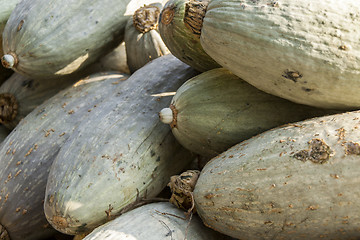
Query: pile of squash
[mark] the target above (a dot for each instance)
(179, 119)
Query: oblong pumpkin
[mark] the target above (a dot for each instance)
(47, 39)
(6, 7)
(216, 109)
(122, 153)
(180, 29)
(155, 221)
(142, 39)
(29, 150)
(299, 181)
(305, 51)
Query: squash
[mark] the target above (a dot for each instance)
(142, 40)
(121, 154)
(6, 7)
(298, 181)
(50, 38)
(180, 29)
(19, 95)
(305, 51)
(216, 109)
(29, 150)
(155, 221)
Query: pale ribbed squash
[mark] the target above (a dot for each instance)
(29, 150)
(50, 38)
(216, 110)
(180, 29)
(119, 155)
(155, 221)
(299, 181)
(143, 42)
(305, 51)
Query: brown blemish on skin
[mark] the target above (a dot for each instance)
(175, 113)
(344, 47)
(352, 148)
(59, 222)
(292, 75)
(340, 133)
(319, 152)
(194, 15)
(19, 27)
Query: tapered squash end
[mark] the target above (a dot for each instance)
(4, 234)
(8, 108)
(166, 115)
(9, 60)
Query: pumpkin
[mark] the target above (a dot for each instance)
(29, 150)
(298, 181)
(155, 221)
(6, 7)
(216, 109)
(122, 152)
(48, 39)
(180, 29)
(305, 51)
(143, 42)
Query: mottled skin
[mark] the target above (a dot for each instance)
(120, 155)
(156, 221)
(305, 51)
(180, 38)
(54, 38)
(29, 150)
(216, 110)
(299, 181)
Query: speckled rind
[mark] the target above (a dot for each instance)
(155, 221)
(216, 110)
(273, 186)
(181, 41)
(29, 150)
(55, 38)
(122, 152)
(304, 51)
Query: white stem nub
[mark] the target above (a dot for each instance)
(8, 61)
(166, 115)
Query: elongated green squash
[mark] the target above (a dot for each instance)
(29, 150)
(6, 7)
(50, 38)
(142, 40)
(299, 181)
(180, 29)
(155, 221)
(305, 51)
(19, 95)
(121, 154)
(216, 109)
